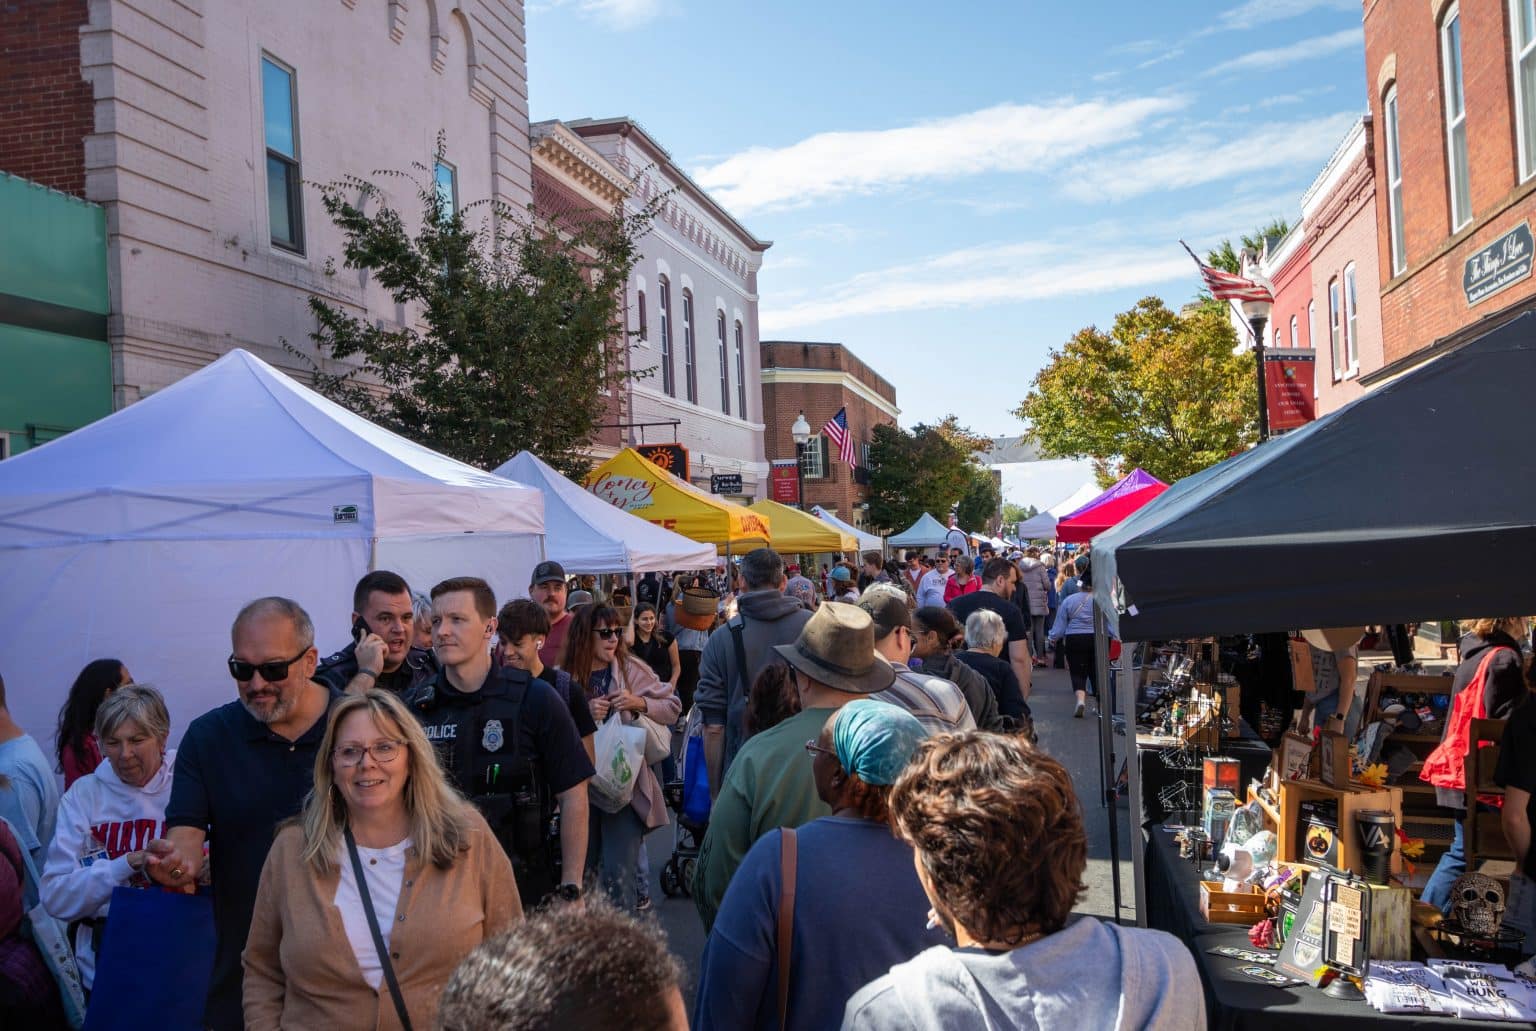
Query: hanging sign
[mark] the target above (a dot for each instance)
(671, 457)
(725, 483)
(1503, 263)
(1289, 375)
(785, 483)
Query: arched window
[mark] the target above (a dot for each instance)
(725, 362)
(664, 296)
(1312, 324)
(1295, 332)
(1336, 326)
(1394, 182)
(640, 311)
(1455, 118)
(690, 351)
(741, 372)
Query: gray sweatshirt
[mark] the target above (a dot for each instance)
(1090, 974)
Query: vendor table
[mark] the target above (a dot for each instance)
(1252, 754)
(1234, 1000)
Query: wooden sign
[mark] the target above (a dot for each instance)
(1302, 677)
(1333, 759)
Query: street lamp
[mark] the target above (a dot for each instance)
(801, 431)
(1257, 314)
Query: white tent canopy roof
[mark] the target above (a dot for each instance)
(1044, 524)
(927, 532)
(238, 449)
(1080, 497)
(867, 541)
(586, 534)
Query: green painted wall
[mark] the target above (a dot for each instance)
(55, 362)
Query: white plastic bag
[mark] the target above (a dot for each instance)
(620, 751)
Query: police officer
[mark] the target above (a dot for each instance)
(507, 741)
(381, 652)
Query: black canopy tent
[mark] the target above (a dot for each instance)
(1409, 503)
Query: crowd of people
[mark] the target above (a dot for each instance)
(404, 833)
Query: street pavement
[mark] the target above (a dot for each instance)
(1073, 742)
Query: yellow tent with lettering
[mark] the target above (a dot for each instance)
(643, 489)
(796, 532)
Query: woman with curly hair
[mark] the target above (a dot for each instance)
(1000, 853)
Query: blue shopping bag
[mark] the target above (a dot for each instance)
(695, 773)
(155, 962)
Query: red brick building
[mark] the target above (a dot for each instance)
(1453, 105)
(818, 379)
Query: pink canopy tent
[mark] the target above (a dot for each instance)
(1132, 492)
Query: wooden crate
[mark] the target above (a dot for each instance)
(1245, 906)
(1350, 801)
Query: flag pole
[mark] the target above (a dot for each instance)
(1230, 307)
(1254, 334)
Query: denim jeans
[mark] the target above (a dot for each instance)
(614, 850)
(642, 872)
(1437, 891)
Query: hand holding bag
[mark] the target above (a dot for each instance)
(620, 752)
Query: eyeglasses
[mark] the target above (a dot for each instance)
(607, 633)
(812, 749)
(271, 672)
(383, 752)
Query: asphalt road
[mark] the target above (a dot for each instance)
(1072, 741)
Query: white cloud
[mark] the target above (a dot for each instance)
(1262, 12)
(615, 14)
(1004, 138)
(1306, 50)
(1202, 157)
(1170, 55)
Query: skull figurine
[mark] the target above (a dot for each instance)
(1478, 903)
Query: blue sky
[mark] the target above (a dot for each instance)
(954, 190)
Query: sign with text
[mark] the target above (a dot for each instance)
(786, 486)
(671, 457)
(1503, 263)
(1289, 375)
(630, 493)
(725, 483)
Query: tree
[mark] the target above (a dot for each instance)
(1014, 514)
(978, 507)
(926, 470)
(1161, 390)
(523, 323)
(1224, 257)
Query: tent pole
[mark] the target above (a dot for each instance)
(1133, 775)
(1101, 683)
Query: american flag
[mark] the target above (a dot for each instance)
(1226, 286)
(836, 430)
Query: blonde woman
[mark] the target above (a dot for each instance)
(387, 854)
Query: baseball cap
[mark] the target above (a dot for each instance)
(841, 573)
(793, 567)
(544, 572)
(887, 608)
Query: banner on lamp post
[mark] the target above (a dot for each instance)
(1289, 378)
(786, 487)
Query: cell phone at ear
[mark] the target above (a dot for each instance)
(360, 630)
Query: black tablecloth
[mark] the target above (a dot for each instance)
(1252, 754)
(1234, 1000)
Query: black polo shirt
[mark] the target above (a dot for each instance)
(1013, 619)
(238, 780)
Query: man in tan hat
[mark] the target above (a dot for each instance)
(770, 784)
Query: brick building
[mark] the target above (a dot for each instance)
(198, 127)
(1453, 105)
(818, 379)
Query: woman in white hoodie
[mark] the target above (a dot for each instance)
(108, 818)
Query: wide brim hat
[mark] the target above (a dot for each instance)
(1334, 639)
(836, 647)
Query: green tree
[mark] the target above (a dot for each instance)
(925, 470)
(523, 323)
(1161, 390)
(978, 507)
(1014, 514)
(1225, 256)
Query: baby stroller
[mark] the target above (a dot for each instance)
(689, 801)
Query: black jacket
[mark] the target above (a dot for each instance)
(338, 670)
(1505, 687)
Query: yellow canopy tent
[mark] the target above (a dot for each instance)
(643, 489)
(796, 532)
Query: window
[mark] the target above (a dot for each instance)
(1295, 332)
(1351, 322)
(446, 178)
(1311, 323)
(690, 353)
(1522, 38)
(640, 306)
(864, 455)
(1394, 184)
(741, 372)
(814, 461)
(725, 363)
(1455, 119)
(280, 109)
(668, 377)
(1335, 327)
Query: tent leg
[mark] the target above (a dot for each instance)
(1107, 794)
(1133, 777)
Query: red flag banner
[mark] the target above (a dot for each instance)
(1289, 378)
(786, 487)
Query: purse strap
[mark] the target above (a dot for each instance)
(788, 856)
(378, 937)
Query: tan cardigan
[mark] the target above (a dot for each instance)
(301, 971)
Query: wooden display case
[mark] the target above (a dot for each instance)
(1244, 906)
(1422, 817)
(1351, 800)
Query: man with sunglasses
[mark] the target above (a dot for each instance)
(931, 590)
(242, 769)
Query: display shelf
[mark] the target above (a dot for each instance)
(1350, 801)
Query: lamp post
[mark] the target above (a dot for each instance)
(801, 431)
(1257, 314)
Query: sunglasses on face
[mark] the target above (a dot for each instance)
(812, 749)
(607, 633)
(271, 672)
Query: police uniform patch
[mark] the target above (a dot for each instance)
(492, 738)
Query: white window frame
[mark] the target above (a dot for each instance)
(815, 464)
(640, 312)
(741, 370)
(1295, 332)
(690, 350)
(725, 362)
(438, 167)
(1453, 81)
(1336, 327)
(293, 163)
(1351, 321)
(1523, 53)
(1396, 246)
(1312, 324)
(664, 312)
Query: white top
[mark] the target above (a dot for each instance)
(384, 870)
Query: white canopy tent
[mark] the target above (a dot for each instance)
(586, 534)
(867, 541)
(1043, 525)
(927, 532)
(140, 536)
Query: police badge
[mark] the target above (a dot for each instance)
(491, 737)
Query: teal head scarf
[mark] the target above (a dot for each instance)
(875, 740)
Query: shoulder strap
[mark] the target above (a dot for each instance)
(737, 626)
(788, 860)
(378, 937)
